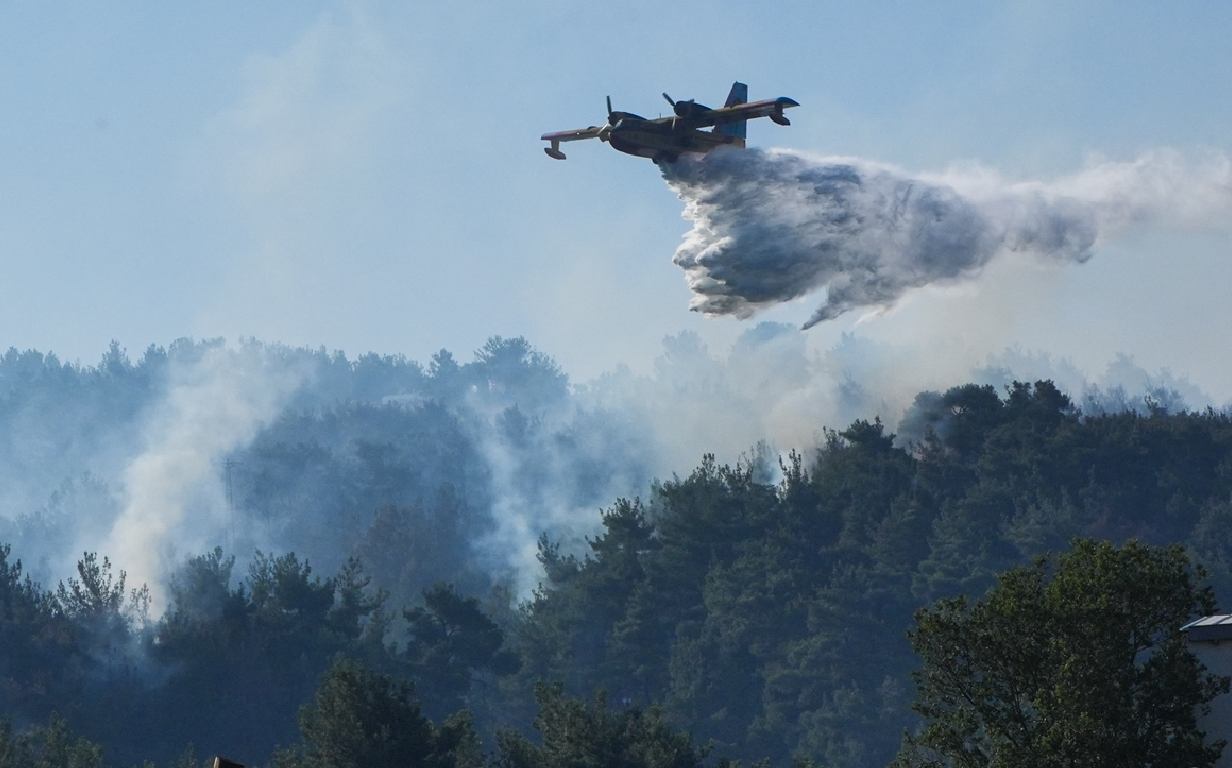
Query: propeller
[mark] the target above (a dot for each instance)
(679, 108)
(682, 108)
(606, 130)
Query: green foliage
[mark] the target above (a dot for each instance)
(36, 644)
(764, 613)
(771, 620)
(1077, 663)
(451, 641)
(360, 719)
(52, 746)
(581, 734)
(98, 598)
(1212, 544)
(244, 657)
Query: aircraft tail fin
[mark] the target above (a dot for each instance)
(739, 94)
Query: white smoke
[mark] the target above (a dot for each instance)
(174, 503)
(533, 463)
(770, 387)
(770, 226)
(549, 456)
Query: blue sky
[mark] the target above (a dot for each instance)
(367, 176)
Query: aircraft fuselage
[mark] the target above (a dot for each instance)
(659, 143)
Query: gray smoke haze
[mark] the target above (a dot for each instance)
(173, 501)
(533, 459)
(322, 443)
(771, 226)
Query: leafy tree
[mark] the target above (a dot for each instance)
(512, 368)
(580, 734)
(354, 602)
(451, 641)
(1212, 545)
(1077, 662)
(287, 600)
(244, 658)
(409, 549)
(51, 746)
(107, 623)
(98, 597)
(36, 643)
(360, 719)
(205, 610)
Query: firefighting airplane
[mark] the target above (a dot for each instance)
(664, 139)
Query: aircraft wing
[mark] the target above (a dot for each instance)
(593, 132)
(772, 108)
(576, 135)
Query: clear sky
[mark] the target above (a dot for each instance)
(368, 176)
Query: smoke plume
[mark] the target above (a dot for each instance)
(770, 226)
(174, 504)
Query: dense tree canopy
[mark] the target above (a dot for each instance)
(761, 607)
(771, 618)
(1080, 662)
(50, 746)
(580, 734)
(360, 719)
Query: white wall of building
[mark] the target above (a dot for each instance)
(1216, 656)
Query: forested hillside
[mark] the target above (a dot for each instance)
(382, 514)
(376, 457)
(772, 618)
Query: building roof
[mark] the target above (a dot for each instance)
(1211, 629)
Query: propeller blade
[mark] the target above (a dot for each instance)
(669, 100)
(609, 105)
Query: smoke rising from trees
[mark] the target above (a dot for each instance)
(450, 470)
(395, 476)
(771, 226)
(173, 499)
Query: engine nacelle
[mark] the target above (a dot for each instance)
(779, 118)
(689, 108)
